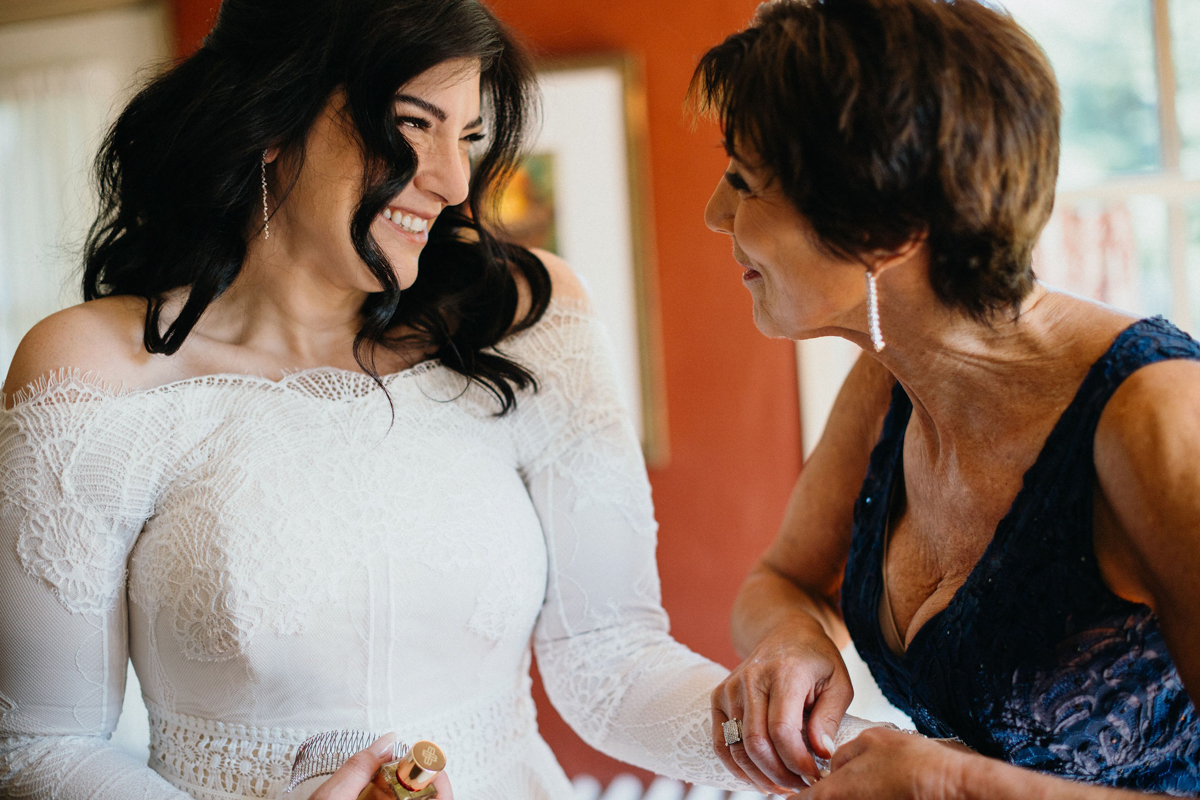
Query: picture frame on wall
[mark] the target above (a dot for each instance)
(584, 193)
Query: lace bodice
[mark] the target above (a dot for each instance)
(284, 558)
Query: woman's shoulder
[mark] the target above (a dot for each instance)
(1157, 407)
(569, 309)
(566, 287)
(102, 338)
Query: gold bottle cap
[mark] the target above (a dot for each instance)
(420, 765)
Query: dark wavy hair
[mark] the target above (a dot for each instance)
(887, 119)
(179, 176)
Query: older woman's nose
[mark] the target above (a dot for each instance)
(718, 214)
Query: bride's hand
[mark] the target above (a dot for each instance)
(360, 771)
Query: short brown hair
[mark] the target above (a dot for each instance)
(887, 119)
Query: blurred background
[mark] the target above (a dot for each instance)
(743, 410)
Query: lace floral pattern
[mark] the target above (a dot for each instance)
(298, 559)
(1113, 704)
(212, 760)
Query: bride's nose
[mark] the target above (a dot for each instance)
(444, 170)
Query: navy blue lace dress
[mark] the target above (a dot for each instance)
(1035, 661)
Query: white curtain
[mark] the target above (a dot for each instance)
(52, 120)
(1091, 250)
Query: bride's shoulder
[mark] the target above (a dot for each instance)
(102, 338)
(565, 287)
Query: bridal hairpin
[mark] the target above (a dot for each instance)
(325, 753)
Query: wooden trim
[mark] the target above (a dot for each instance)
(1169, 133)
(28, 10)
(1171, 187)
(1171, 141)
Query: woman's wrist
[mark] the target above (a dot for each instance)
(771, 607)
(977, 777)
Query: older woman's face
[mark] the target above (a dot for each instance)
(798, 290)
(439, 114)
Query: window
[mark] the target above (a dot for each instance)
(61, 79)
(1126, 227)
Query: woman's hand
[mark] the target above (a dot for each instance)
(791, 691)
(883, 764)
(361, 770)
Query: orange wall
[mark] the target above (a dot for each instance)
(733, 408)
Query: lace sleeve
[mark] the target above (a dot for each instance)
(604, 651)
(69, 514)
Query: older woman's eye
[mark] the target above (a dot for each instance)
(737, 182)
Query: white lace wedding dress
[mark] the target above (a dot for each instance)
(285, 558)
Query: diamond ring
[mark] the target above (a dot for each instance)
(733, 731)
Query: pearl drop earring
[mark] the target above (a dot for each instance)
(873, 313)
(266, 215)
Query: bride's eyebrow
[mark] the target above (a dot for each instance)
(424, 105)
(434, 111)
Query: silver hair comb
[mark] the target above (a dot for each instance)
(325, 753)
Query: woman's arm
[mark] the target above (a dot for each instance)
(890, 765)
(786, 620)
(602, 641)
(1147, 454)
(66, 526)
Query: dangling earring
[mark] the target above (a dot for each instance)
(873, 313)
(266, 216)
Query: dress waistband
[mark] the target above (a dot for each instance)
(214, 760)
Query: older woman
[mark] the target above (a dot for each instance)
(1018, 566)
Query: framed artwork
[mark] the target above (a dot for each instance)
(583, 193)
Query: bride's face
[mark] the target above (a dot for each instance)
(439, 114)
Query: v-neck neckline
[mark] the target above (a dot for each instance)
(996, 549)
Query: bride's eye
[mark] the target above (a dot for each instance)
(413, 122)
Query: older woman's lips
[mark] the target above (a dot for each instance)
(750, 275)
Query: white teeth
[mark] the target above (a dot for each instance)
(408, 222)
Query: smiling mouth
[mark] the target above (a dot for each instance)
(410, 223)
(750, 272)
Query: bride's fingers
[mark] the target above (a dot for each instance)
(354, 776)
(442, 782)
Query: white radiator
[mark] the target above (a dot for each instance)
(627, 787)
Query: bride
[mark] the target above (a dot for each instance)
(320, 451)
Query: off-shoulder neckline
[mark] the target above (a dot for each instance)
(91, 384)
